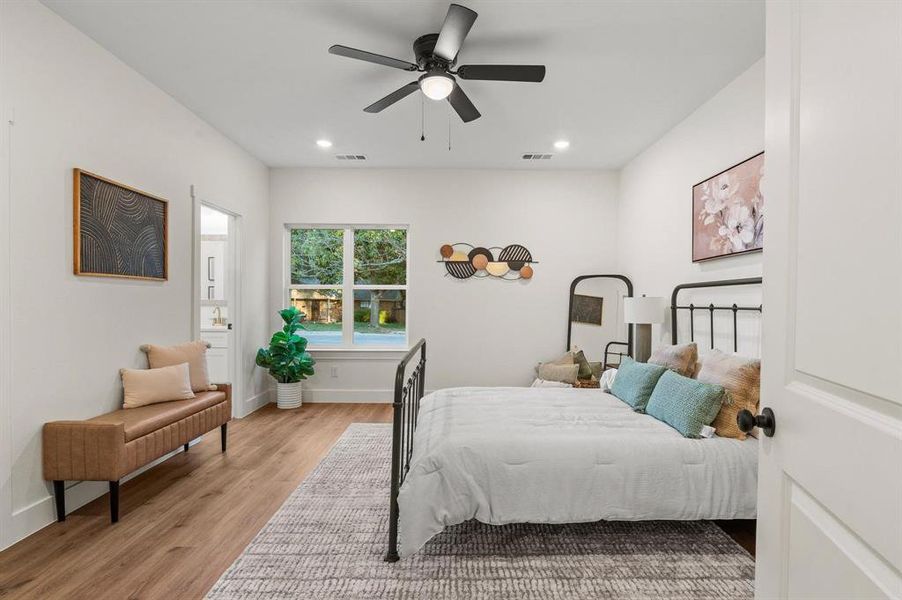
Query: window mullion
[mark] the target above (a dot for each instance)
(347, 310)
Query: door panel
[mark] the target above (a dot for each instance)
(830, 480)
(845, 154)
(818, 539)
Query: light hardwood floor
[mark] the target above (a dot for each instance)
(185, 521)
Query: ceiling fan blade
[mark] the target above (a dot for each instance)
(396, 95)
(373, 58)
(463, 105)
(533, 73)
(457, 25)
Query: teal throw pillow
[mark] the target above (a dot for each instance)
(635, 382)
(685, 404)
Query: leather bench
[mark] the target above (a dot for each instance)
(109, 447)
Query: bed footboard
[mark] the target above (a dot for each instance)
(406, 408)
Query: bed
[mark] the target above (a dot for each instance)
(553, 455)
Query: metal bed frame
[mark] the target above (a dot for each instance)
(406, 408)
(711, 308)
(409, 389)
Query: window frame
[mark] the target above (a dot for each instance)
(348, 286)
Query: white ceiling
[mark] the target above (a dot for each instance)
(619, 74)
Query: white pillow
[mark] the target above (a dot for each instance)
(541, 383)
(607, 380)
(150, 386)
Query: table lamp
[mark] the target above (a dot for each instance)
(643, 312)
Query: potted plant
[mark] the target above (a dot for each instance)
(287, 359)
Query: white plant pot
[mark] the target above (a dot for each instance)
(288, 395)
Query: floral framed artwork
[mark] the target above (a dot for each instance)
(728, 211)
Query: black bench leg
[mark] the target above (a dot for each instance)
(224, 435)
(114, 501)
(186, 447)
(59, 493)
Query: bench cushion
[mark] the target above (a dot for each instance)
(143, 420)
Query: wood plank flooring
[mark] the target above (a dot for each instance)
(185, 521)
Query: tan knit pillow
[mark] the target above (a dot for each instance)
(151, 386)
(741, 378)
(193, 353)
(566, 359)
(680, 358)
(562, 373)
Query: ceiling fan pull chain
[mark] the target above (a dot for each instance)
(449, 128)
(422, 118)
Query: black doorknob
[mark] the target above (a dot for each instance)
(747, 421)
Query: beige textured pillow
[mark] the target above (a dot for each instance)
(193, 353)
(151, 386)
(741, 378)
(563, 373)
(566, 359)
(680, 358)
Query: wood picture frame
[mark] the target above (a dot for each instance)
(118, 231)
(728, 212)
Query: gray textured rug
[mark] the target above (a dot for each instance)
(328, 540)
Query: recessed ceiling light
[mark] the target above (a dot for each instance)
(324, 143)
(562, 144)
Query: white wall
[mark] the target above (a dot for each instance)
(479, 332)
(76, 105)
(654, 217)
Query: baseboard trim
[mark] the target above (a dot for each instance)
(41, 513)
(256, 402)
(350, 396)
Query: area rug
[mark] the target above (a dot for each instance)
(329, 538)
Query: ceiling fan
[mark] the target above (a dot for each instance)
(436, 56)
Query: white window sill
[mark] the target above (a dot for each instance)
(392, 354)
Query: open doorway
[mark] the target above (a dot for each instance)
(217, 286)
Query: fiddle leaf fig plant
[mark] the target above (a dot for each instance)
(287, 358)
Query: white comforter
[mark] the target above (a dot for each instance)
(548, 455)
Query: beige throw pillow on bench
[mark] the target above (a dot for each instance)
(152, 386)
(193, 353)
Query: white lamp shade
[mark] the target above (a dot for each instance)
(643, 310)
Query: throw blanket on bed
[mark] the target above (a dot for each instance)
(550, 455)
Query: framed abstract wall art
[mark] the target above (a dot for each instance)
(728, 211)
(118, 231)
(587, 309)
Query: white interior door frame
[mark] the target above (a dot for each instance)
(6, 132)
(233, 293)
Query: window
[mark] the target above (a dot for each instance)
(351, 283)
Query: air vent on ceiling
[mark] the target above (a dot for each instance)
(350, 157)
(534, 156)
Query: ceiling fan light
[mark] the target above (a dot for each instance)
(437, 85)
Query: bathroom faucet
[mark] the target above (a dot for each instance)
(217, 316)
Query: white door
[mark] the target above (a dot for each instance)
(830, 479)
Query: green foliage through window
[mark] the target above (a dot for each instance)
(380, 256)
(317, 261)
(316, 256)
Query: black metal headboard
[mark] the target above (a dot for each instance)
(710, 309)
